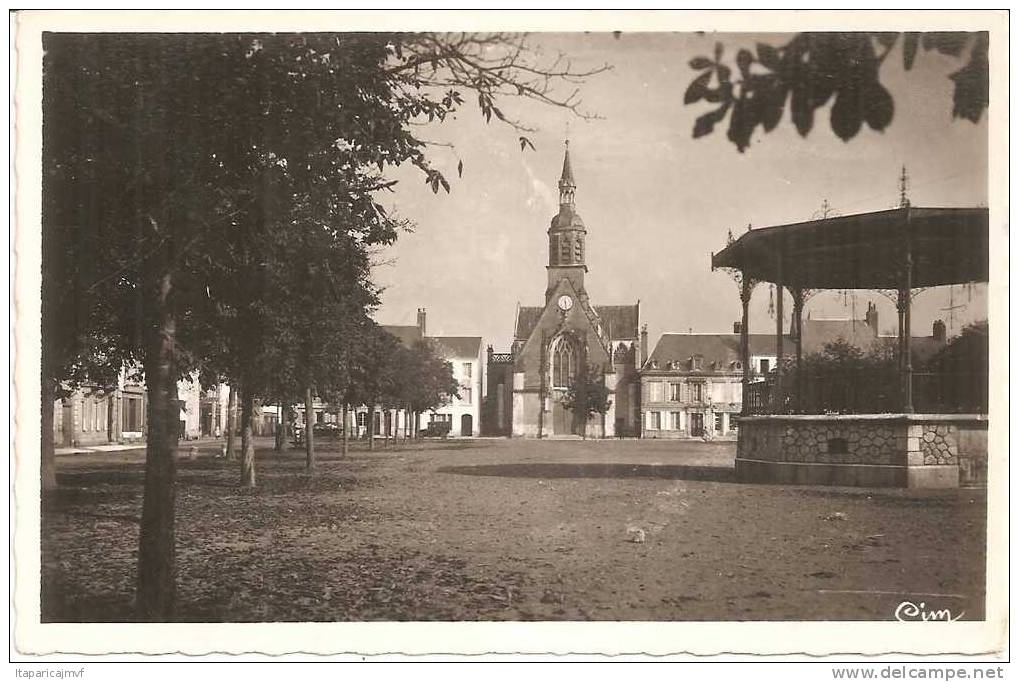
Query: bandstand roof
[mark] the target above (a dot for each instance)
(865, 250)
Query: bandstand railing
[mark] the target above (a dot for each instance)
(869, 392)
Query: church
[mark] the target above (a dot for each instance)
(551, 341)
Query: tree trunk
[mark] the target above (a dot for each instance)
(231, 423)
(371, 428)
(247, 440)
(309, 431)
(156, 595)
(48, 453)
(280, 435)
(288, 424)
(346, 426)
(109, 418)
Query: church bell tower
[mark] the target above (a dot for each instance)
(566, 235)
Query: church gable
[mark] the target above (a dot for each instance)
(577, 321)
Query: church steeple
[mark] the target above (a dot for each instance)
(567, 186)
(566, 234)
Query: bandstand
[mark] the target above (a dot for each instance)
(911, 429)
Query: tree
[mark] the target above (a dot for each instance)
(958, 374)
(178, 158)
(842, 377)
(85, 341)
(812, 69)
(425, 380)
(372, 374)
(967, 352)
(587, 395)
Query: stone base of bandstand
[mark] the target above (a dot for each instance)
(876, 450)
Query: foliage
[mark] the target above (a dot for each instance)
(425, 379)
(248, 165)
(373, 373)
(842, 356)
(967, 352)
(813, 69)
(587, 394)
(221, 192)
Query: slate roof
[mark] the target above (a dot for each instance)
(862, 251)
(618, 321)
(816, 333)
(721, 349)
(527, 319)
(406, 333)
(458, 346)
(724, 349)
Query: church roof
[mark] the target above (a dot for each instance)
(527, 320)
(619, 321)
(458, 346)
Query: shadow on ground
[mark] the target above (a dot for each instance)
(595, 470)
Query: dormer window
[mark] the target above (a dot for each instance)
(697, 363)
(654, 364)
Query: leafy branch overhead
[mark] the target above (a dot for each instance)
(813, 69)
(494, 67)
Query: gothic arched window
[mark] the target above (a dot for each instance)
(564, 363)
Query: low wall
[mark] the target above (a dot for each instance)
(882, 450)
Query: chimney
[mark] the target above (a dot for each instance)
(737, 327)
(939, 331)
(871, 317)
(421, 321)
(643, 343)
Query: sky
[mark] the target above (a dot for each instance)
(655, 201)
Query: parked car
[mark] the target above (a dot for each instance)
(321, 430)
(327, 430)
(436, 430)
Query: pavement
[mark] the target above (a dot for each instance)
(124, 447)
(512, 530)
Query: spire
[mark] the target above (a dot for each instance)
(567, 186)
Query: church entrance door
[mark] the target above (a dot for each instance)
(562, 418)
